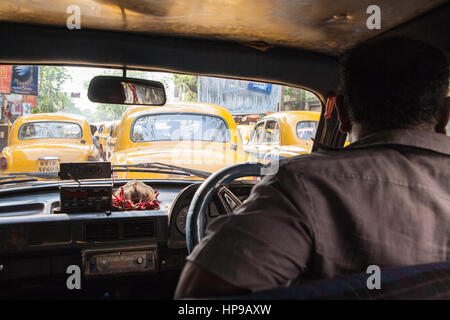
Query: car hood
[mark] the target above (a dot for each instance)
(198, 155)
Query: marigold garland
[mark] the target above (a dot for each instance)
(121, 203)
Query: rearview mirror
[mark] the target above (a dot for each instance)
(120, 90)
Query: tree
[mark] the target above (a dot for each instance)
(189, 85)
(50, 97)
(110, 112)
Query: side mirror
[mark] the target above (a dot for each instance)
(83, 141)
(129, 91)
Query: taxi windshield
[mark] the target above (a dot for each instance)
(206, 123)
(50, 130)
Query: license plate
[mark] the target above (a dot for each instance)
(48, 165)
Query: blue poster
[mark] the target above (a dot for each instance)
(258, 86)
(24, 80)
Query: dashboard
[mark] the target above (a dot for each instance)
(117, 252)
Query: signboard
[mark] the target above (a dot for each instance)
(239, 96)
(261, 87)
(5, 79)
(24, 79)
(26, 108)
(30, 99)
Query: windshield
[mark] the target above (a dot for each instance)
(180, 127)
(196, 130)
(50, 130)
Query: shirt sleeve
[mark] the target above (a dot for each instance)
(266, 243)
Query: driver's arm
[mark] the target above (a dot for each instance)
(196, 282)
(264, 245)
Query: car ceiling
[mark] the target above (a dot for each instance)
(280, 41)
(326, 26)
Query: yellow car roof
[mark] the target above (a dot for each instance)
(52, 117)
(191, 107)
(294, 115)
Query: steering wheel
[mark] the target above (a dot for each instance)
(195, 219)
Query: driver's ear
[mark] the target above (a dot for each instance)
(345, 124)
(443, 119)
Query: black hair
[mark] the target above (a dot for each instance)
(394, 82)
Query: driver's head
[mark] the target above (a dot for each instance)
(393, 83)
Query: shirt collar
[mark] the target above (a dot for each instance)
(433, 141)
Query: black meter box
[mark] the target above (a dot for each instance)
(85, 170)
(85, 198)
(82, 196)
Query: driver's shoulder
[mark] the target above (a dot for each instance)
(322, 164)
(316, 160)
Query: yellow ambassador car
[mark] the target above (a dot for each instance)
(283, 134)
(196, 136)
(103, 133)
(245, 130)
(111, 141)
(39, 142)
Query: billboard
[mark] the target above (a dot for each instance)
(24, 79)
(5, 79)
(239, 96)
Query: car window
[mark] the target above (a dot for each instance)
(271, 132)
(50, 130)
(257, 133)
(306, 130)
(180, 127)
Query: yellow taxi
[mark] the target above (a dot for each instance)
(111, 141)
(103, 133)
(197, 136)
(39, 142)
(283, 134)
(245, 130)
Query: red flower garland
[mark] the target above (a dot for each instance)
(125, 204)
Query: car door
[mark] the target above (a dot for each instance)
(270, 141)
(254, 145)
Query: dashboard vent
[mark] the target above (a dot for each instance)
(138, 230)
(101, 232)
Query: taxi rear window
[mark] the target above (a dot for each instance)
(50, 130)
(180, 126)
(306, 130)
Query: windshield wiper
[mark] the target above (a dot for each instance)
(14, 179)
(45, 175)
(157, 167)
